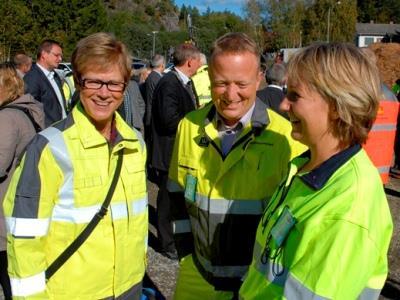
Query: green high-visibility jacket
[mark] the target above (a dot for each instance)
(230, 192)
(61, 183)
(324, 235)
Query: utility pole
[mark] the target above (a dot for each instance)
(154, 42)
(328, 30)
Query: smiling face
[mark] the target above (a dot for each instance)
(309, 114)
(100, 104)
(234, 81)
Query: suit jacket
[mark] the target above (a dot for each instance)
(37, 84)
(273, 97)
(150, 86)
(171, 102)
(134, 99)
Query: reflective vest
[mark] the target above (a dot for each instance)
(69, 90)
(324, 235)
(381, 138)
(61, 183)
(202, 85)
(225, 195)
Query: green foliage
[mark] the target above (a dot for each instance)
(382, 11)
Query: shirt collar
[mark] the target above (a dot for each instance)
(45, 71)
(318, 177)
(184, 78)
(244, 120)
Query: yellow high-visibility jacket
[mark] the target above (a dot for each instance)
(202, 85)
(230, 192)
(60, 184)
(325, 234)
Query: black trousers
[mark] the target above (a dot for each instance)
(4, 279)
(164, 225)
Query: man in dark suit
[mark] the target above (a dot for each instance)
(158, 66)
(173, 98)
(273, 94)
(44, 84)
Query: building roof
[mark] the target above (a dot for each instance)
(376, 29)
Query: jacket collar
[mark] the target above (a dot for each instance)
(90, 137)
(259, 118)
(318, 177)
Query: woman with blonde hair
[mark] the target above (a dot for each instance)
(326, 231)
(17, 111)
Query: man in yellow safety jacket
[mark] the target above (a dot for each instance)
(201, 82)
(228, 159)
(61, 185)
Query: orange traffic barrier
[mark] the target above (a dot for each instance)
(380, 142)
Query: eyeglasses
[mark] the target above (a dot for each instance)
(57, 54)
(94, 84)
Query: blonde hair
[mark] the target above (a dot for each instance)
(234, 43)
(100, 51)
(10, 83)
(346, 78)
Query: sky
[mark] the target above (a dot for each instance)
(235, 6)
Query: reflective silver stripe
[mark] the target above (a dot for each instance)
(27, 227)
(60, 152)
(139, 206)
(369, 294)
(181, 226)
(140, 138)
(22, 287)
(279, 275)
(174, 187)
(383, 127)
(85, 214)
(233, 207)
(384, 169)
(294, 289)
(222, 271)
(119, 211)
(271, 270)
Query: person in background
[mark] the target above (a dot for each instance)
(173, 98)
(158, 66)
(325, 233)
(273, 94)
(201, 82)
(44, 84)
(16, 131)
(23, 64)
(228, 159)
(133, 107)
(62, 183)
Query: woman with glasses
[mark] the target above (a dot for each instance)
(326, 231)
(20, 117)
(77, 205)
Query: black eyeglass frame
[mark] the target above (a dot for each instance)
(121, 88)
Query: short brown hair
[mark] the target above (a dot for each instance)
(99, 51)
(10, 82)
(234, 43)
(46, 46)
(346, 78)
(184, 52)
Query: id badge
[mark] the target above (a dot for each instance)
(283, 226)
(190, 188)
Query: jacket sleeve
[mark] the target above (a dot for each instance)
(181, 227)
(28, 206)
(32, 86)
(8, 143)
(166, 107)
